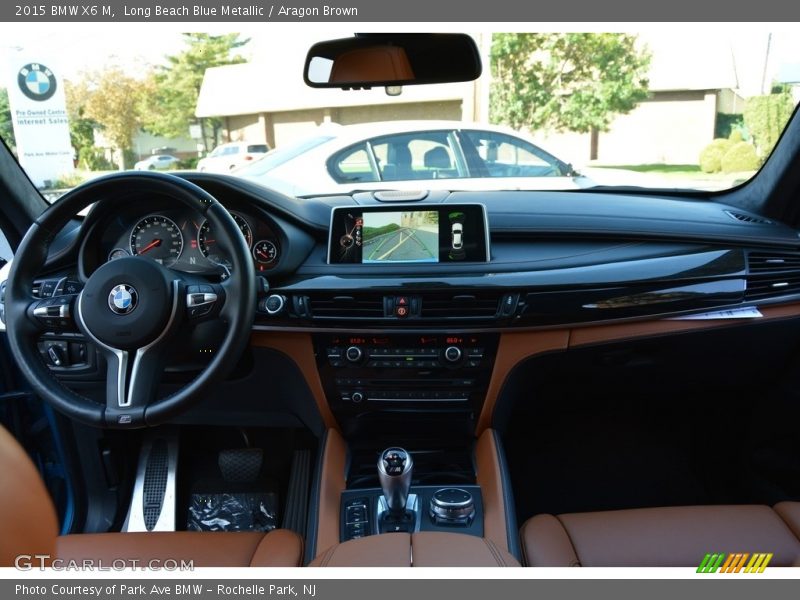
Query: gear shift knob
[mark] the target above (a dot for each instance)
(395, 466)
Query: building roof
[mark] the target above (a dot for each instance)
(255, 87)
(274, 82)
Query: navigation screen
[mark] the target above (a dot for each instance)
(403, 235)
(409, 236)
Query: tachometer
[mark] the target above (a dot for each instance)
(159, 238)
(207, 242)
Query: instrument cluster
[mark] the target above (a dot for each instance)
(184, 241)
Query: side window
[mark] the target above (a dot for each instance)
(352, 165)
(423, 155)
(503, 155)
(231, 150)
(6, 253)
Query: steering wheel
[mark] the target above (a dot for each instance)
(131, 308)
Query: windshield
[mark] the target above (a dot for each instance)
(653, 109)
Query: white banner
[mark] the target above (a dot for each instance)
(39, 115)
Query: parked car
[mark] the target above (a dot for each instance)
(157, 162)
(227, 157)
(423, 154)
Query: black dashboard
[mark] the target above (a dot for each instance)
(392, 338)
(556, 257)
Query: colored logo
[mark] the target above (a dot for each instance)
(122, 299)
(737, 562)
(37, 82)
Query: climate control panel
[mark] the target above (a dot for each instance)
(362, 354)
(369, 375)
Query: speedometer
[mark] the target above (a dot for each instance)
(159, 238)
(207, 242)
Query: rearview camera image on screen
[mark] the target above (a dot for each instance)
(407, 237)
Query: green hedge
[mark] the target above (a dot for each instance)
(741, 157)
(711, 156)
(765, 118)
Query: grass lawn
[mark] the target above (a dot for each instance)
(691, 174)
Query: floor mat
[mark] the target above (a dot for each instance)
(233, 512)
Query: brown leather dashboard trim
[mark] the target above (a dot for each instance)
(515, 346)
(487, 464)
(332, 484)
(300, 349)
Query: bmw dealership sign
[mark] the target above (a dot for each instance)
(37, 82)
(39, 116)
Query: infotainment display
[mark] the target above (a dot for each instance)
(409, 234)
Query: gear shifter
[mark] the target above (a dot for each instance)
(395, 466)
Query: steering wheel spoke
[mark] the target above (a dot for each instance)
(132, 379)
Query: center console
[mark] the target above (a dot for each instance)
(424, 391)
(380, 382)
(400, 507)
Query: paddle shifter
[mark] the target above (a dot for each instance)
(395, 466)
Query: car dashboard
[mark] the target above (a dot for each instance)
(377, 342)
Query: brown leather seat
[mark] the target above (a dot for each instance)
(32, 529)
(424, 549)
(661, 537)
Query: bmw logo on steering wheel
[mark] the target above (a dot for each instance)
(123, 299)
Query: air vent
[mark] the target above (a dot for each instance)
(772, 274)
(483, 305)
(776, 286)
(771, 262)
(346, 307)
(748, 218)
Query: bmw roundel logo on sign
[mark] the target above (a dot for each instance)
(37, 82)
(122, 299)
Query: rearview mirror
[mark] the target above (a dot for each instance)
(392, 59)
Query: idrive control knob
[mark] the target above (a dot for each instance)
(452, 506)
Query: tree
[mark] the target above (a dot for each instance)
(565, 81)
(176, 86)
(81, 128)
(6, 126)
(113, 100)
